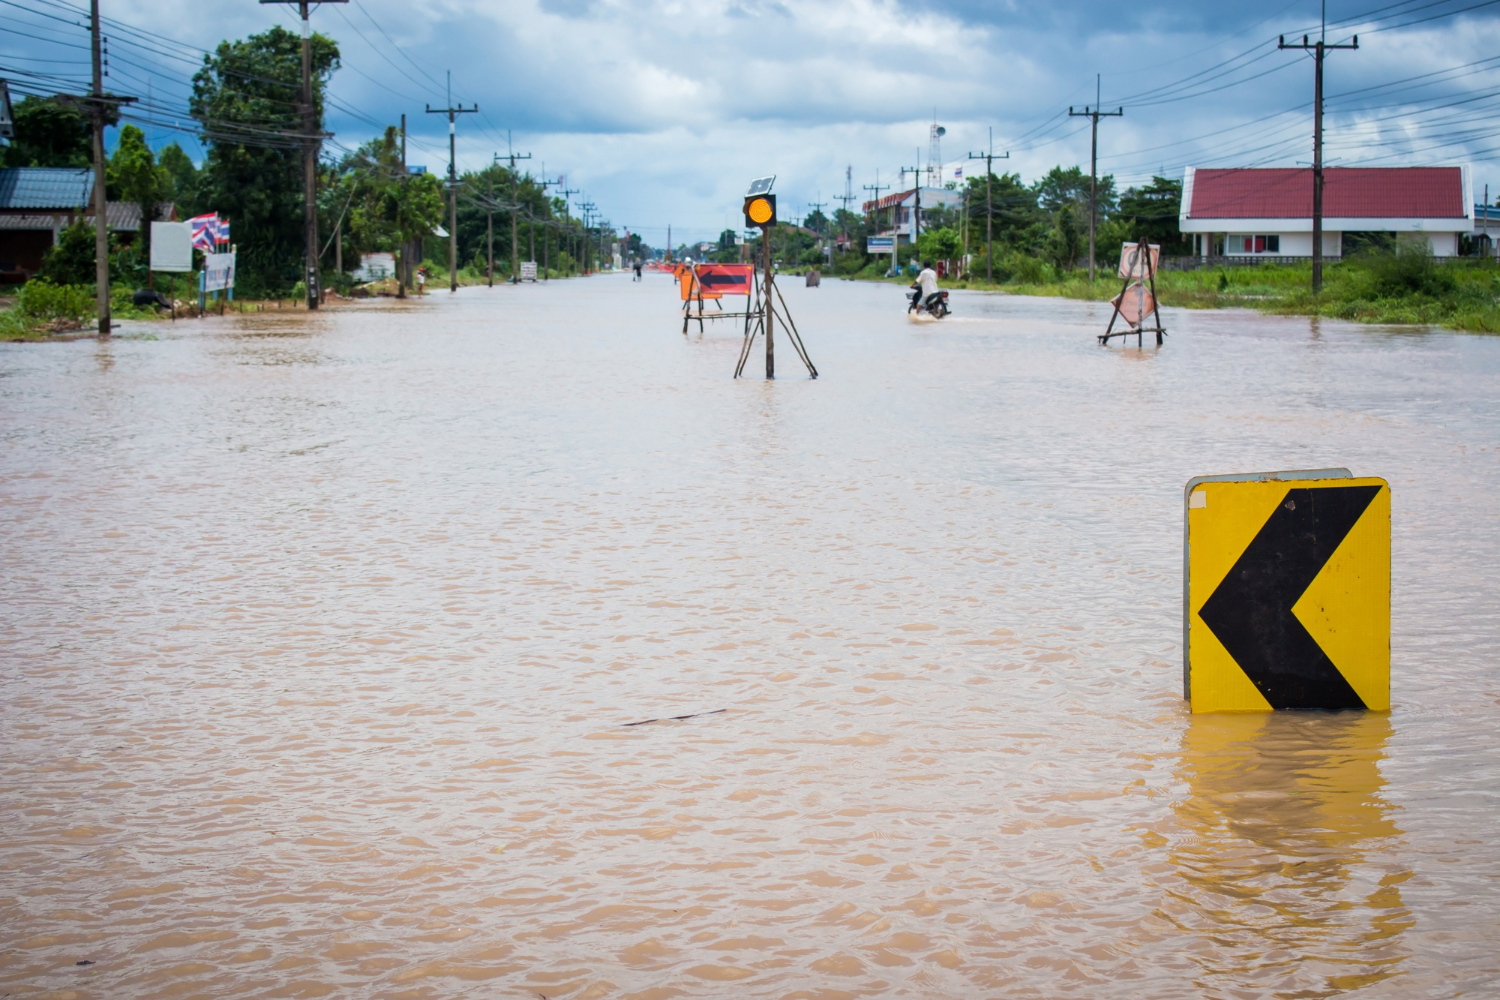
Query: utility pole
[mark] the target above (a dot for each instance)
(515, 258)
(489, 229)
(587, 207)
(916, 212)
(403, 271)
(99, 106)
(848, 199)
(452, 114)
(312, 143)
(546, 225)
(567, 217)
(1095, 114)
(817, 206)
(989, 158)
(875, 190)
(873, 217)
(1318, 49)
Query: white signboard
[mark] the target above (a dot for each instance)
(374, 266)
(218, 271)
(880, 244)
(171, 246)
(528, 270)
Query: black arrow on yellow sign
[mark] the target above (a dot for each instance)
(1250, 612)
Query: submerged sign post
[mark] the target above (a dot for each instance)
(1287, 592)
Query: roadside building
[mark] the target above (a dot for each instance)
(1267, 212)
(38, 203)
(895, 213)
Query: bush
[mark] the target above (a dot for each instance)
(1411, 270)
(41, 300)
(1023, 269)
(71, 260)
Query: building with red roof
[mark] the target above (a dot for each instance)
(1268, 211)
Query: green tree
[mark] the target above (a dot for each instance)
(939, 244)
(246, 101)
(1151, 210)
(1066, 242)
(1061, 187)
(49, 134)
(1012, 208)
(134, 176)
(361, 192)
(184, 179)
(416, 206)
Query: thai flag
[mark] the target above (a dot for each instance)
(205, 227)
(958, 173)
(221, 231)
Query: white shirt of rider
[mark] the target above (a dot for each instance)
(928, 280)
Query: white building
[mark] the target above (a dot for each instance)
(1268, 211)
(894, 214)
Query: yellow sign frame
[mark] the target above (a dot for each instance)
(1286, 607)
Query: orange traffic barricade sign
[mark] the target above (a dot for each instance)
(713, 281)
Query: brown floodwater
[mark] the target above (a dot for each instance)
(322, 633)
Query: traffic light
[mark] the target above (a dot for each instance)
(760, 211)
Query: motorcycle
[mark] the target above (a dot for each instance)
(936, 309)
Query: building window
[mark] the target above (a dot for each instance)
(1252, 244)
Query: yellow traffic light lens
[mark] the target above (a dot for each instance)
(760, 211)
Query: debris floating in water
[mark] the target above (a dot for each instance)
(674, 718)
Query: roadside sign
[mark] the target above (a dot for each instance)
(880, 244)
(714, 281)
(172, 246)
(528, 270)
(1287, 592)
(218, 271)
(1133, 262)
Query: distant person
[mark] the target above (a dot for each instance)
(637, 270)
(421, 281)
(927, 287)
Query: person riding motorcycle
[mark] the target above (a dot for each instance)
(925, 294)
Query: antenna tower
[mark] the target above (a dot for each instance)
(935, 154)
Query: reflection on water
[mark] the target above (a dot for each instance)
(321, 633)
(1286, 881)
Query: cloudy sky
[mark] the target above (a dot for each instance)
(660, 111)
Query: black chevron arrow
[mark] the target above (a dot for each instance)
(1251, 610)
(710, 279)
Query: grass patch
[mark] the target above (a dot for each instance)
(1406, 288)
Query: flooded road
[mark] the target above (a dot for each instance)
(322, 632)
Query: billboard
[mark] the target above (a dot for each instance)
(171, 246)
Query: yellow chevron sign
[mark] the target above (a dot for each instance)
(1287, 592)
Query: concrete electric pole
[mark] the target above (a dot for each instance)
(1318, 49)
(989, 159)
(312, 144)
(1095, 114)
(452, 114)
(515, 207)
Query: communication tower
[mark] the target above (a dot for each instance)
(935, 155)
